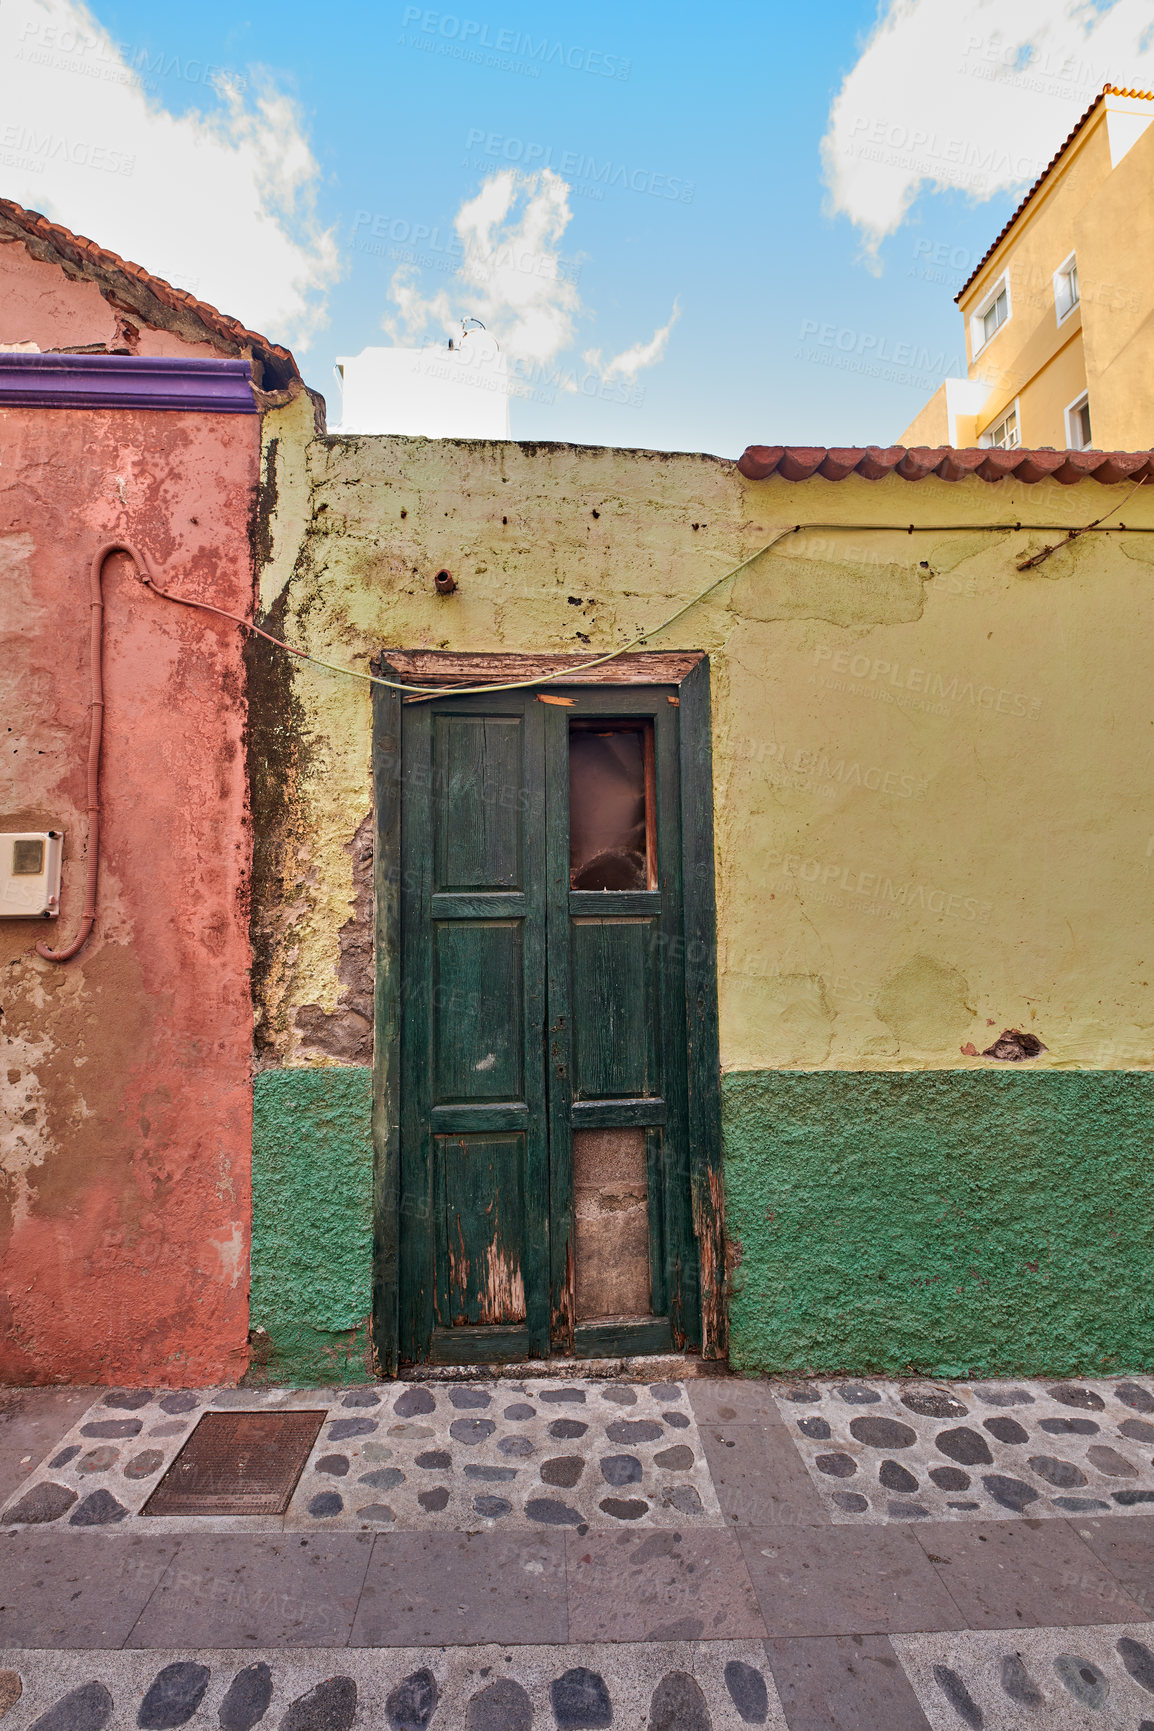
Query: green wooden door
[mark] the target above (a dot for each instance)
(474, 1147)
(546, 1188)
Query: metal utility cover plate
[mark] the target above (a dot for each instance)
(238, 1463)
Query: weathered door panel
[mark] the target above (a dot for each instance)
(478, 1011)
(479, 763)
(616, 974)
(480, 1229)
(474, 1159)
(617, 1026)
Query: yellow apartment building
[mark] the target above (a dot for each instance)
(1059, 314)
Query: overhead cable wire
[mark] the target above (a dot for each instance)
(570, 671)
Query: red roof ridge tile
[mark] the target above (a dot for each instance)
(278, 366)
(920, 462)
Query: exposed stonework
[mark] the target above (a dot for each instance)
(347, 1032)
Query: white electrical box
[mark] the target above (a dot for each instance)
(30, 874)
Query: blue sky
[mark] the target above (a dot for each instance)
(794, 324)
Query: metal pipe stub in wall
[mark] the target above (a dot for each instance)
(445, 582)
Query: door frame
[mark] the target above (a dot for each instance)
(688, 672)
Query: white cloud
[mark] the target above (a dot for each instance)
(219, 202)
(975, 95)
(511, 276)
(630, 361)
(415, 312)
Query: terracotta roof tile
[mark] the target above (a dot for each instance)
(150, 296)
(917, 463)
(1107, 90)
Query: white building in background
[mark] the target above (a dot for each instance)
(458, 389)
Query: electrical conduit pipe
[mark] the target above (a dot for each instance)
(95, 731)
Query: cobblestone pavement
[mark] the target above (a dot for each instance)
(460, 1458)
(491, 1688)
(668, 1555)
(883, 1451)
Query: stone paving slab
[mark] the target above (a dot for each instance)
(722, 1686)
(733, 1400)
(1051, 1679)
(1127, 1550)
(51, 1595)
(659, 1586)
(457, 1588)
(1011, 1574)
(277, 1590)
(30, 1421)
(843, 1683)
(759, 1476)
(882, 1451)
(826, 1581)
(463, 1457)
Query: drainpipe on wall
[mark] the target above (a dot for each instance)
(95, 732)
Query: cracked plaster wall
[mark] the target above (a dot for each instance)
(126, 1144)
(928, 767)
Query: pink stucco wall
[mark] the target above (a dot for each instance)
(40, 305)
(125, 1177)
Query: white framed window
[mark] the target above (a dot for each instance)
(1005, 432)
(1066, 295)
(1078, 434)
(990, 314)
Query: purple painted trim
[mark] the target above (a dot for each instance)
(127, 382)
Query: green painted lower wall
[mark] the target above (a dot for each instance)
(946, 1222)
(952, 1223)
(312, 1236)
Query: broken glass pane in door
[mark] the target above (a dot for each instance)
(611, 808)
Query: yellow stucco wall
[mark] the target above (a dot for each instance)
(931, 425)
(1041, 240)
(1043, 402)
(1115, 239)
(932, 772)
